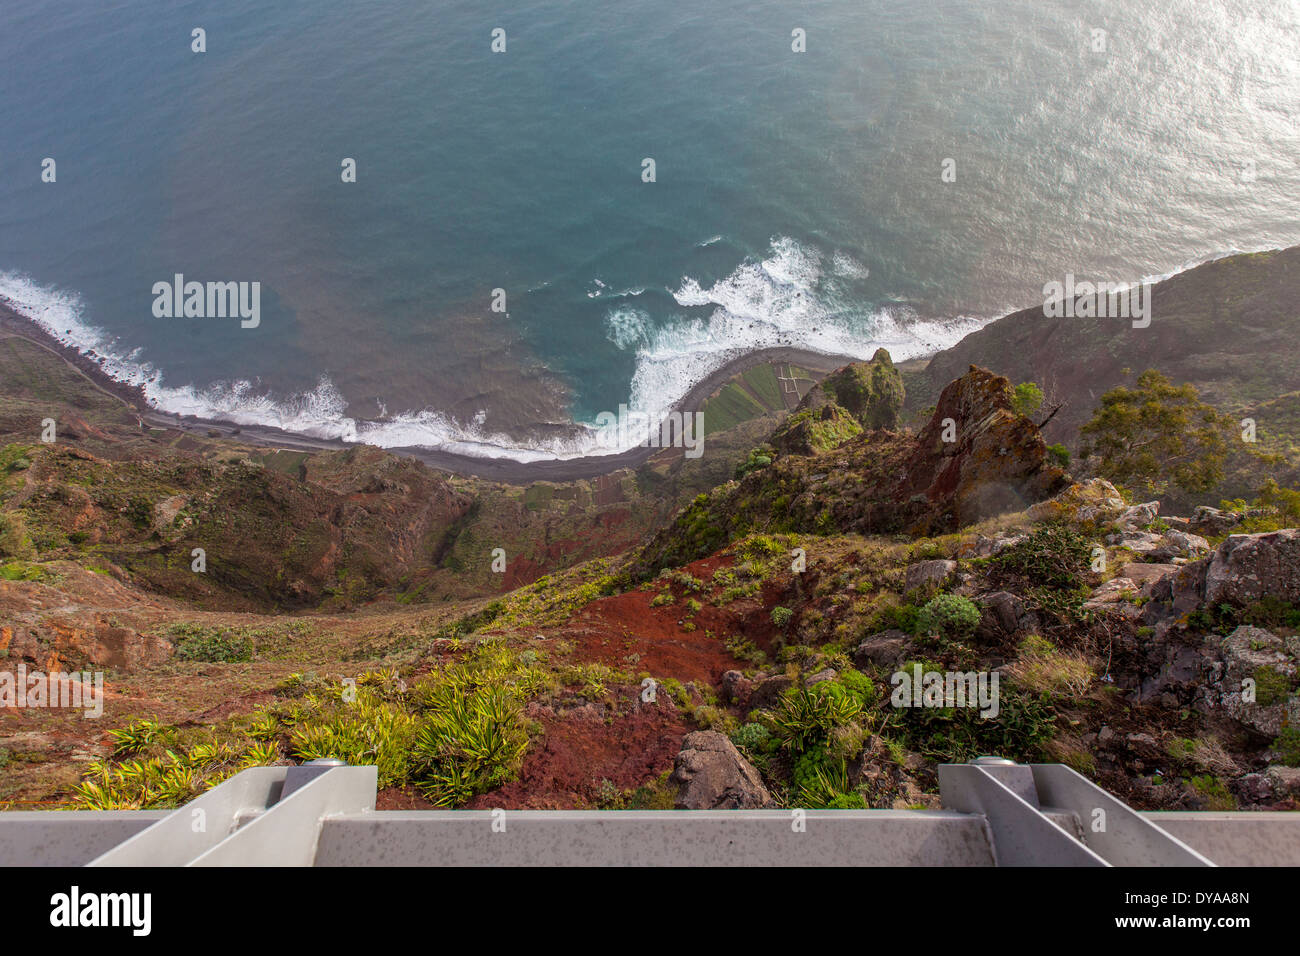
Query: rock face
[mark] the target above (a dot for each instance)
(712, 775)
(924, 574)
(977, 457)
(80, 620)
(861, 395)
(872, 392)
(1004, 615)
(1256, 654)
(1093, 500)
(1248, 567)
(1243, 569)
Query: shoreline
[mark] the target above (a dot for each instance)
(502, 469)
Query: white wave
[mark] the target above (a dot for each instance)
(782, 300)
(602, 290)
(766, 303)
(627, 327)
(848, 267)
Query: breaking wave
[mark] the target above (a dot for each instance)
(788, 298)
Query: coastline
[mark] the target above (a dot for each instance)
(505, 470)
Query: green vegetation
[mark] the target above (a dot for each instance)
(1052, 556)
(781, 616)
(1027, 399)
(1272, 509)
(1287, 745)
(1158, 436)
(203, 645)
(872, 392)
(948, 616)
(758, 458)
(457, 732)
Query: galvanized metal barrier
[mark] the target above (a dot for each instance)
(995, 813)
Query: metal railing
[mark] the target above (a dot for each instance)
(995, 813)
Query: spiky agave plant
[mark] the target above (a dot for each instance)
(138, 736)
(468, 744)
(264, 727)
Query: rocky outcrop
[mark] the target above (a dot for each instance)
(1093, 500)
(861, 395)
(712, 775)
(977, 457)
(1256, 679)
(928, 574)
(1249, 567)
(812, 431)
(872, 392)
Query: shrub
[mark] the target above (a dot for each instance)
(755, 739)
(758, 458)
(807, 716)
(1287, 745)
(1027, 399)
(948, 615)
(1052, 556)
(859, 685)
(214, 647)
(781, 616)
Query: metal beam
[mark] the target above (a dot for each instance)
(1116, 832)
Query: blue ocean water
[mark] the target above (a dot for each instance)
(798, 197)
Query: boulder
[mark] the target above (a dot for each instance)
(1214, 521)
(1112, 592)
(1093, 500)
(1138, 516)
(1248, 567)
(766, 692)
(1145, 575)
(1003, 615)
(1180, 544)
(1284, 781)
(712, 775)
(884, 649)
(924, 574)
(736, 688)
(1139, 542)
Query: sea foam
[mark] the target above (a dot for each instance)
(784, 299)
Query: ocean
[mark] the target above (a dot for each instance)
(919, 168)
